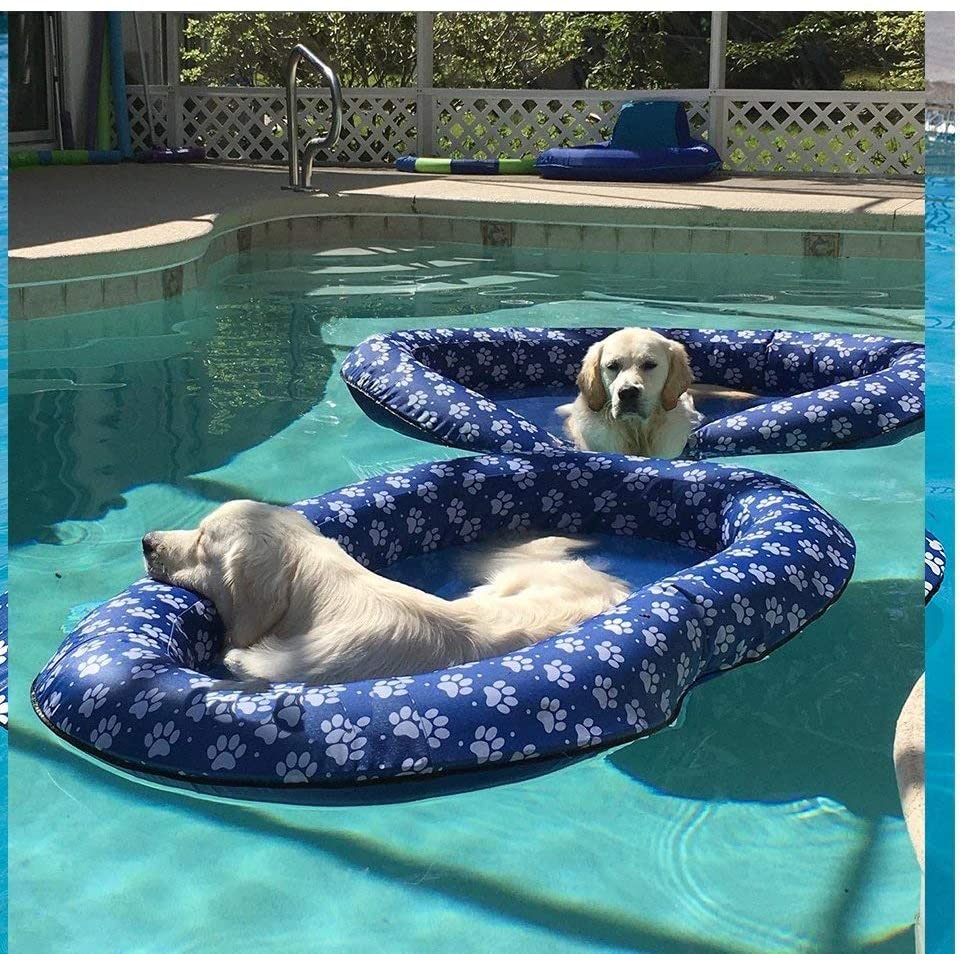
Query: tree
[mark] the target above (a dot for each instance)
(625, 50)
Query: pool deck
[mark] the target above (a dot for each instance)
(73, 222)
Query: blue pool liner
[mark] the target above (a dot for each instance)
(651, 142)
(138, 685)
(496, 390)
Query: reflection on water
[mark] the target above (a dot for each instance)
(93, 421)
(762, 821)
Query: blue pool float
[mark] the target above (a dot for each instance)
(496, 390)
(137, 684)
(934, 565)
(4, 651)
(651, 142)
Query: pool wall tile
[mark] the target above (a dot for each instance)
(357, 228)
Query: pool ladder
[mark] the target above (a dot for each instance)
(300, 174)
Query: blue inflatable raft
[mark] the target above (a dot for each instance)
(651, 142)
(726, 565)
(497, 390)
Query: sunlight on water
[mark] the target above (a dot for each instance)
(765, 820)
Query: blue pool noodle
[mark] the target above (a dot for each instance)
(118, 83)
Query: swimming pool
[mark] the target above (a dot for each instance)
(743, 827)
(939, 505)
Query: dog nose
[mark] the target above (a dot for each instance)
(148, 544)
(628, 393)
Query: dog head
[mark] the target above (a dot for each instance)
(237, 558)
(633, 371)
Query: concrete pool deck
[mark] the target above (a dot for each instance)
(71, 226)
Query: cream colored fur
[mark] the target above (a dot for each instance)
(659, 416)
(297, 607)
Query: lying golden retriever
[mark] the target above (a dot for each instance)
(633, 397)
(296, 607)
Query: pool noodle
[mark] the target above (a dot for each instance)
(118, 83)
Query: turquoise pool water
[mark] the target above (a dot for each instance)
(939, 505)
(765, 820)
(3, 461)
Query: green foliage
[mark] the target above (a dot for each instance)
(849, 50)
(624, 50)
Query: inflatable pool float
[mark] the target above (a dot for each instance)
(651, 142)
(497, 390)
(465, 167)
(4, 650)
(137, 684)
(934, 565)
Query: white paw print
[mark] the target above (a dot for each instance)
(552, 716)
(568, 644)
(500, 696)
(618, 626)
(605, 693)
(518, 663)
(344, 739)
(587, 733)
(610, 653)
(296, 768)
(405, 722)
(655, 639)
(649, 675)
(385, 688)
(103, 736)
(559, 672)
(160, 738)
(635, 715)
(487, 745)
(225, 752)
(666, 611)
(146, 701)
(454, 684)
(93, 665)
(93, 698)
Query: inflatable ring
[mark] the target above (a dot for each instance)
(137, 684)
(4, 649)
(934, 565)
(496, 390)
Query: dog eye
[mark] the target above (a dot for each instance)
(612, 366)
(649, 366)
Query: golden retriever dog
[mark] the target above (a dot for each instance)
(297, 607)
(633, 397)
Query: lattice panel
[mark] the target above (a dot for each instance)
(765, 131)
(475, 124)
(139, 124)
(251, 125)
(870, 137)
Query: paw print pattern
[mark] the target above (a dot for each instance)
(296, 768)
(765, 560)
(224, 753)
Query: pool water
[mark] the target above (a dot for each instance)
(939, 506)
(766, 819)
(4, 233)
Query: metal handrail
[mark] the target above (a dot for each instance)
(300, 175)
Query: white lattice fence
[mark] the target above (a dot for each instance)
(840, 133)
(508, 123)
(880, 134)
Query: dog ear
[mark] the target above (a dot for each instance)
(590, 384)
(259, 589)
(679, 376)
